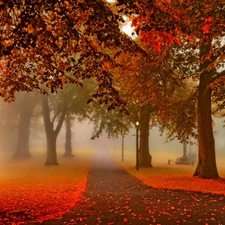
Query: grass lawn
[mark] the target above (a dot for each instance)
(33, 192)
(178, 177)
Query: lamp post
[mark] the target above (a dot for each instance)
(137, 161)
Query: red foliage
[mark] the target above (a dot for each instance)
(38, 202)
(134, 22)
(207, 25)
(185, 182)
(158, 39)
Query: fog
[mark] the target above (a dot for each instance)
(160, 149)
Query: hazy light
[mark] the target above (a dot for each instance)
(111, 1)
(127, 28)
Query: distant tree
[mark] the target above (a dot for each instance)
(25, 103)
(16, 121)
(52, 130)
(8, 126)
(68, 143)
(151, 87)
(71, 101)
(110, 121)
(78, 109)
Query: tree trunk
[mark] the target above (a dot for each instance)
(145, 159)
(68, 144)
(51, 134)
(184, 150)
(26, 107)
(22, 147)
(51, 149)
(206, 167)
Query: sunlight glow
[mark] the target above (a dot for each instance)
(111, 1)
(128, 29)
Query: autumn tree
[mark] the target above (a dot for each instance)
(71, 101)
(151, 85)
(112, 121)
(177, 115)
(25, 105)
(200, 24)
(208, 33)
(52, 130)
(39, 41)
(52, 43)
(78, 109)
(34, 50)
(133, 93)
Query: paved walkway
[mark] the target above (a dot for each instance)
(114, 197)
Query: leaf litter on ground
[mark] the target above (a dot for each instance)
(174, 177)
(32, 192)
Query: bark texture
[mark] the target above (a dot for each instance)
(51, 133)
(206, 167)
(26, 107)
(184, 149)
(68, 144)
(145, 159)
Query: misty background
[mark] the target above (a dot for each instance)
(160, 148)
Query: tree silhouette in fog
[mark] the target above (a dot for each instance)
(26, 103)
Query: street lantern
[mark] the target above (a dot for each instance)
(137, 161)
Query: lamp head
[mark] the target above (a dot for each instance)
(137, 123)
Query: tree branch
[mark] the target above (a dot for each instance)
(218, 76)
(59, 125)
(55, 116)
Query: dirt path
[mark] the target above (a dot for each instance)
(114, 197)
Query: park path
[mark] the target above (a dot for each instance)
(114, 197)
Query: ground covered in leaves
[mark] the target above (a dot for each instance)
(180, 182)
(114, 197)
(32, 192)
(174, 177)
